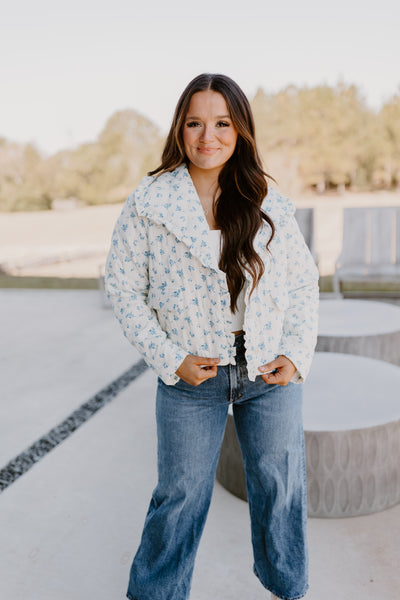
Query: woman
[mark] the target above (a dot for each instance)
(212, 282)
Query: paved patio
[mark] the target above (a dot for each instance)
(70, 524)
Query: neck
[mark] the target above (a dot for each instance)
(205, 181)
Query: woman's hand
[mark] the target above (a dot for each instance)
(196, 369)
(283, 369)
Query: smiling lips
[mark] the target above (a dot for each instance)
(205, 150)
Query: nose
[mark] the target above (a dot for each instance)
(206, 134)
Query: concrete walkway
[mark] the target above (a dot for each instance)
(70, 525)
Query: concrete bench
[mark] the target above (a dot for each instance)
(305, 218)
(371, 246)
(360, 327)
(352, 436)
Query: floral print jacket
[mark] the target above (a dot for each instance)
(171, 298)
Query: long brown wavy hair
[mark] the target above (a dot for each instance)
(242, 182)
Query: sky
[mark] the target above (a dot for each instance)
(66, 67)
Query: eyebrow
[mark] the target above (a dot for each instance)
(217, 117)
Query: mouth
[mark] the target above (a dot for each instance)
(204, 150)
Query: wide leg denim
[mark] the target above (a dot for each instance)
(190, 428)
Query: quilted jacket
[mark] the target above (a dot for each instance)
(171, 298)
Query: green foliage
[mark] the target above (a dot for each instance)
(310, 138)
(389, 118)
(327, 136)
(101, 172)
(109, 169)
(22, 184)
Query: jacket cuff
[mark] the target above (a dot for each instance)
(299, 357)
(171, 357)
(297, 378)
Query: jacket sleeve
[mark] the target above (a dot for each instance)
(127, 285)
(300, 326)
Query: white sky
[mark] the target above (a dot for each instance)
(65, 67)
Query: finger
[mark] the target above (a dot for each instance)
(270, 377)
(279, 361)
(271, 366)
(204, 369)
(273, 380)
(266, 370)
(280, 377)
(204, 374)
(204, 361)
(210, 372)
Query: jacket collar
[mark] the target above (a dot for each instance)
(172, 200)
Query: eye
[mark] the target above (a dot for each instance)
(193, 124)
(222, 124)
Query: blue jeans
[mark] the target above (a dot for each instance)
(190, 428)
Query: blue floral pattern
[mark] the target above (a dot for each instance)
(172, 299)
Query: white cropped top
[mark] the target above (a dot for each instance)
(238, 315)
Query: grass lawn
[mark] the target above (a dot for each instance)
(357, 288)
(51, 283)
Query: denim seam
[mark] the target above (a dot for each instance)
(267, 587)
(305, 492)
(185, 592)
(230, 383)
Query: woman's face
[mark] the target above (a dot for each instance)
(209, 135)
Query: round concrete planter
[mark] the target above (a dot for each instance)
(360, 327)
(352, 436)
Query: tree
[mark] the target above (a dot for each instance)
(110, 168)
(320, 133)
(389, 118)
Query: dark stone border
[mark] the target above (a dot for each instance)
(24, 461)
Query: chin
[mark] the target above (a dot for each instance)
(208, 164)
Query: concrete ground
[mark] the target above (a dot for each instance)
(70, 525)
